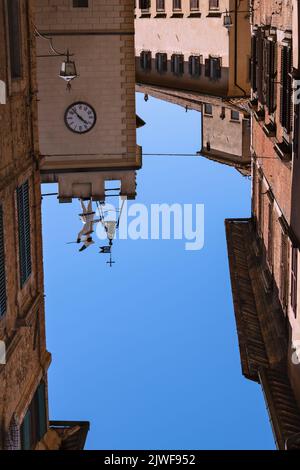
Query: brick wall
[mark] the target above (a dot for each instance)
(22, 327)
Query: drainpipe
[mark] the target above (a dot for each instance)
(236, 47)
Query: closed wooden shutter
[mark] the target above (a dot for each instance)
(15, 49)
(160, 5)
(294, 276)
(253, 63)
(269, 76)
(270, 235)
(145, 60)
(194, 4)
(194, 66)
(176, 4)
(261, 205)
(259, 66)
(24, 232)
(2, 268)
(216, 68)
(34, 425)
(177, 64)
(286, 89)
(161, 62)
(283, 271)
(213, 4)
(213, 68)
(145, 4)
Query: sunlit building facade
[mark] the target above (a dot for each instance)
(263, 251)
(24, 358)
(88, 134)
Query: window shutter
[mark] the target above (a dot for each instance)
(213, 4)
(259, 66)
(294, 276)
(283, 271)
(24, 232)
(160, 5)
(289, 102)
(34, 425)
(253, 63)
(2, 268)
(207, 68)
(177, 64)
(161, 62)
(270, 235)
(194, 4)
(145, 60)
(176, 4)
(41, 405)
(194, 66)
(145, 4)
(216, 68)
(270, 75)
(286, 89)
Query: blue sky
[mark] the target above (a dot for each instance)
(147, 351)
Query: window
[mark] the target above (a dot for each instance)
(145, 4)
(34, 425)
(2, 268)
(80, 3)
(160, 5)
(13, 10)
(213, 4)
(294, 275)
(286, 89)
(259, 66)
(208, 109)
(283, 288)
(177, 64)
(235, 115)
(261, 205)
(270, 234)
(213, 68)
(176, 4)
(194, 4)
(161, 62)
(24, 232)
(269, 75)
(145, 60)
(253, 62)
(194, 66)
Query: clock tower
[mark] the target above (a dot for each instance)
(87, 133)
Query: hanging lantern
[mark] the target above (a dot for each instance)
(227, 20)
(68, 70)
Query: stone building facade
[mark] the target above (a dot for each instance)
(225, 124)
(263, 251)
(24, 357)
(185, 55)
(184, 45)
(100, 34)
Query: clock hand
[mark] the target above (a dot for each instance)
(80, 117)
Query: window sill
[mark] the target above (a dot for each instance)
(161, 15)
(283, 152)
(195, 15)
(145, 15)
(214, 14)
(237, 121)
(208, 115)
(177, 15)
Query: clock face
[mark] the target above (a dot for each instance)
(80, 117)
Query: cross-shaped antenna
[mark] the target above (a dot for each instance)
(110, 262)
